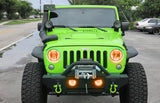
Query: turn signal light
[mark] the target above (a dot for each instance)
(72, 83)
(53, 56)
(116, 55)
(98, 82)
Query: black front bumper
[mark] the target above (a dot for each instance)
(84, 86)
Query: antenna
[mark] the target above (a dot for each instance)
(40, 8)
(123, 14)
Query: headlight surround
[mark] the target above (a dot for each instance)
(53, 56)
(116, 55)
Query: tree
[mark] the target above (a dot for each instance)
(2, 8)
(150, 8)
(11, 8)
(36, 12)
(24, 9)
(124, 6)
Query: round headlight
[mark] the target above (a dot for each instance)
(53, 56)
(49, 24)
(116, 55)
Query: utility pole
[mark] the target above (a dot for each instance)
(40, 9)
(51, 1)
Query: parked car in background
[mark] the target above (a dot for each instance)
(140, 25)
(154, 29)
(31, 17)
(37, 16)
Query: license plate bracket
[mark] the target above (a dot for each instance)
(85, 73)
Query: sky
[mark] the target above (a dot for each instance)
(36, 3)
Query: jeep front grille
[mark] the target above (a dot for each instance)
(72, 56)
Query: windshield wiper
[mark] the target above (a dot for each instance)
(71, 28)
(63, 26)
(93, 27)
(101, 29)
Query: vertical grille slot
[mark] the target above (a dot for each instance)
(85, 54)
(92, 55)
(105, 59)
(99, 56)
(64, 59)
(78, 55)
(71, 57)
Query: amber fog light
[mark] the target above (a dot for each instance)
(98, 82)
(72, 82)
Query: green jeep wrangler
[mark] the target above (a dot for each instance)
(83, 54)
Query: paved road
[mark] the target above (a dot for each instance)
(12, 33)
(149, 55)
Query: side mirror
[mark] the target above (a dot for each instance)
(117, 25)
(124, 27)
(39, 26)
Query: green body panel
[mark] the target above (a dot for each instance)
(88, 39)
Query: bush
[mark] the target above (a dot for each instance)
(1, 15)
(131, 26)
(13, 16)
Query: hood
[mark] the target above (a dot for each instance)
(89, 37)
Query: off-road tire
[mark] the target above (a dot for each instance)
(136, 91)
(33, 90)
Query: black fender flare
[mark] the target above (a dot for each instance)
(131, 52)
(38, 52)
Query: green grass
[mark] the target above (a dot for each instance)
(2, 21)
(22, 21)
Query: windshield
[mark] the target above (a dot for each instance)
(77, 17)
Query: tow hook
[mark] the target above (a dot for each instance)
(113, 89)
(58, 89)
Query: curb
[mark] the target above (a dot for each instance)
(1, 49)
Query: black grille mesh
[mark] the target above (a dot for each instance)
(99, 56)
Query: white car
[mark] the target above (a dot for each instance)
(31, 17)
(140, 25)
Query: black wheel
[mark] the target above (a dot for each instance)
(33, 90)
(156, 31)
(136, 91)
